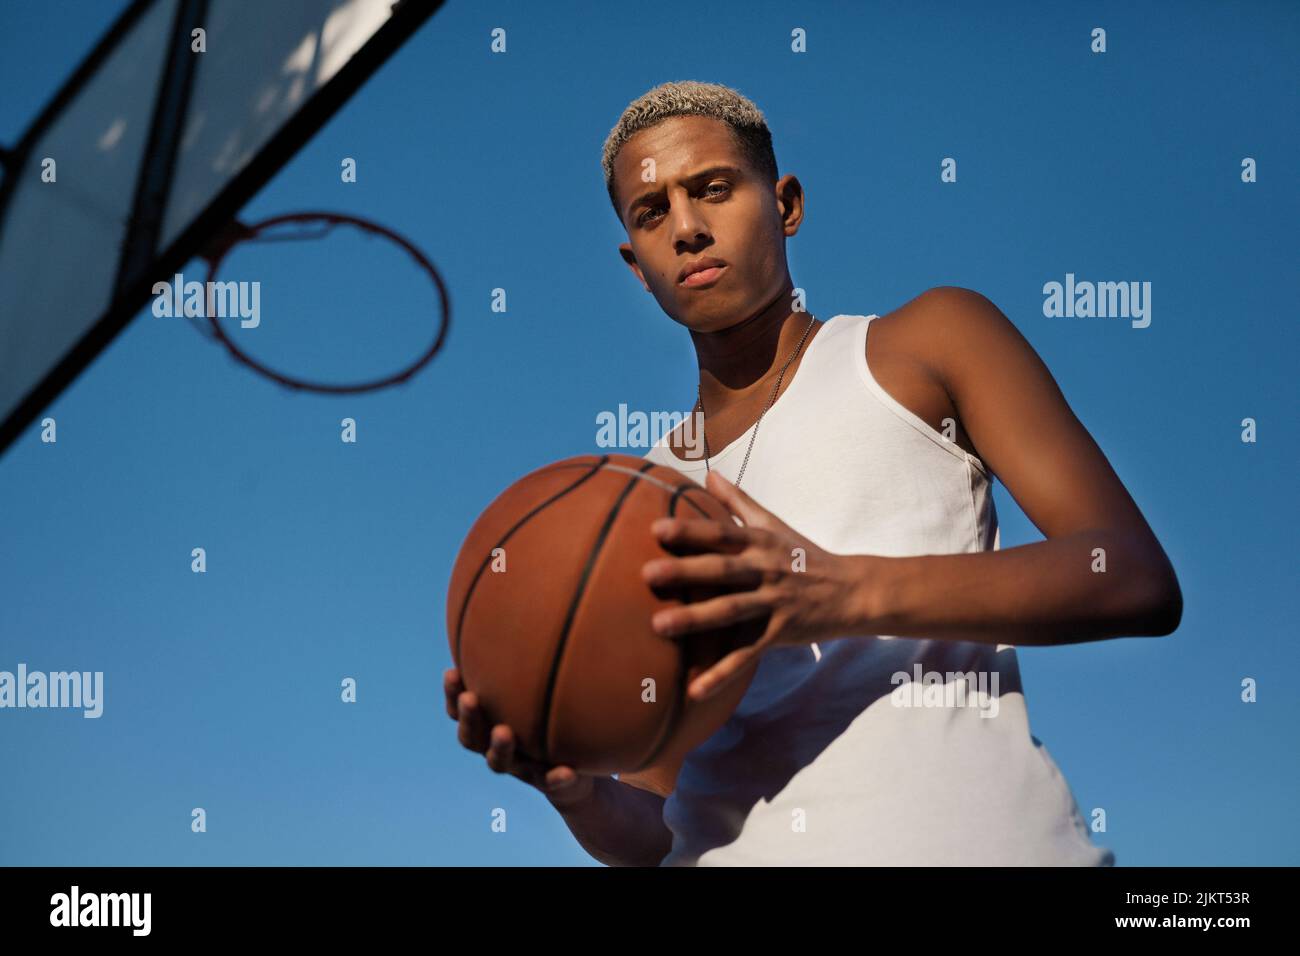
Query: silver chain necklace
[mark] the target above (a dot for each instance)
(700, 401)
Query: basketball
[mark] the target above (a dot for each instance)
(548, 617)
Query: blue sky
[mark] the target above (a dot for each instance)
(326, 560)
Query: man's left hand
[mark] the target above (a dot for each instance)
(769, 568)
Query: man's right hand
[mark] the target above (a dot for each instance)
(563, 786)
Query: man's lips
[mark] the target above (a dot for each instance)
(698, 265)
(702, 277)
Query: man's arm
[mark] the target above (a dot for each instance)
(1025, 433)
(622, 822)
(619, 824)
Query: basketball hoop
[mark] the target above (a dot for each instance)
(237, 232)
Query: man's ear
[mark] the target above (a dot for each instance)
(790, 203)
(625, 250)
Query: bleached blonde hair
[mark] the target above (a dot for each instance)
(693, 98)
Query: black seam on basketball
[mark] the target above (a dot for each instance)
(692, 487)
(593, 461)
(464, 605)
(578, 592)
(669, 727)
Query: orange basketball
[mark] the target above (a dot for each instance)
(548, 617)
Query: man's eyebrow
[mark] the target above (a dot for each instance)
(716, 170)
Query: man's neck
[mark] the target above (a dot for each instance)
(740, 362)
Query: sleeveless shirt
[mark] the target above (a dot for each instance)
(871, 749)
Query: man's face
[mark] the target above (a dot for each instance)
(706, 202)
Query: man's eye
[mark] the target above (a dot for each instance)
(644, 217)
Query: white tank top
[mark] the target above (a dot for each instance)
(820, 764)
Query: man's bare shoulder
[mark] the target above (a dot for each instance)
(942, 325)
(939, 313)
(932, 350)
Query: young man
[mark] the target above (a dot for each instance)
(884, 720)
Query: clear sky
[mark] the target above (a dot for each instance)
(328, 560)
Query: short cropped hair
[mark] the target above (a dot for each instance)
(692, 98)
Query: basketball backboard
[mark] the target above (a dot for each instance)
(152, 146)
